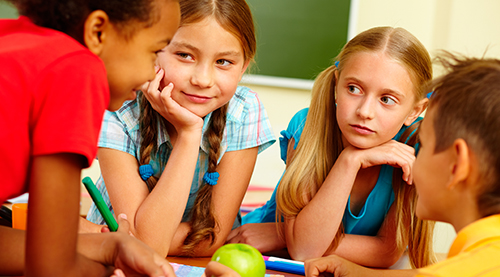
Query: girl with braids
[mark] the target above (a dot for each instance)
(63, 63)
(344, 189)
(178, 159)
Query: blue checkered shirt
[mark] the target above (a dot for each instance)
(247, 126)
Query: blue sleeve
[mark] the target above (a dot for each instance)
(294, 130)
(115, 135)
(267, 213)
(248, 124)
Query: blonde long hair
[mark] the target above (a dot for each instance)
(234, 16)
(321, 140)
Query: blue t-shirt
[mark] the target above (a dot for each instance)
(376, 206)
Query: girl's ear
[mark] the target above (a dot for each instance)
(461, 167)
(244, 68)
(94, 32)
(418, 109)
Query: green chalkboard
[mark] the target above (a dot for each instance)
(7, 10)
(295, 38)
(298, 38)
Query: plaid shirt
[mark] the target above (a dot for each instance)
(247, 126)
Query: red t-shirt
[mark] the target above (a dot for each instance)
(53, 93)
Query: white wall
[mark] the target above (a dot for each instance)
(463, 26)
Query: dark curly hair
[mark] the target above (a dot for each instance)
(69, 16)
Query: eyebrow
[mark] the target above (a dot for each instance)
(196, 49)
(163, 41)
(384, 90)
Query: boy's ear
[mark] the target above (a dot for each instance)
(416, 111)
(94, 31)
(461, 167)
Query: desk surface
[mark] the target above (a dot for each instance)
(202, 262)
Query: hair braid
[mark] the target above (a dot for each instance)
(203, 221)
(149, 133)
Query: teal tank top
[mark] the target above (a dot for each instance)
(376, 206)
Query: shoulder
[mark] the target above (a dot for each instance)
(247, 123)
(127, 117)
(41, 47)
(120, 125)
(296, 125)
(472, 263)
(294, 130)
(298, 120)
(243, 103)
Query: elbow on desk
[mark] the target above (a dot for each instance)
(303, 254)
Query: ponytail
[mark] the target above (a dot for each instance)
(316, 153)
(410, 230)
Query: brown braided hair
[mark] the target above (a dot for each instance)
(236, 18)
(203, 221)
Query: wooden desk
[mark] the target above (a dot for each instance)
(202, 262)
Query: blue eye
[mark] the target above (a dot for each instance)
(387, 100)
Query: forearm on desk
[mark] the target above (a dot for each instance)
(13, 248)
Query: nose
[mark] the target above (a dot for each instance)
(203, 76)
(366, 108)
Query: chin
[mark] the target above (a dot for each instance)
(363, 144)
(114, 107)
(424, 214)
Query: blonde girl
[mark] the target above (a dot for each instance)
(345, 189)
(456, 172)
(178, 159)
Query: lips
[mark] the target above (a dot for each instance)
(362, 129)
(196, 98)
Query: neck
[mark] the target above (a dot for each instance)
(465, 213)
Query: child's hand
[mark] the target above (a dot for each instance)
(86, 226)
(393, 153)
(180, 117)
(133, 257)
(332, 266)
(263, 236)
(215, 269)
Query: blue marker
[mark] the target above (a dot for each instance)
(100, 204)
(283, 266)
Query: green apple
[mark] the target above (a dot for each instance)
(242, 258)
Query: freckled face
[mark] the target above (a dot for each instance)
(205, 63)
(374, 96)
(130, 63)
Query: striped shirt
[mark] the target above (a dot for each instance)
(247, 126)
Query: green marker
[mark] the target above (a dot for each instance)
(100, 204)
